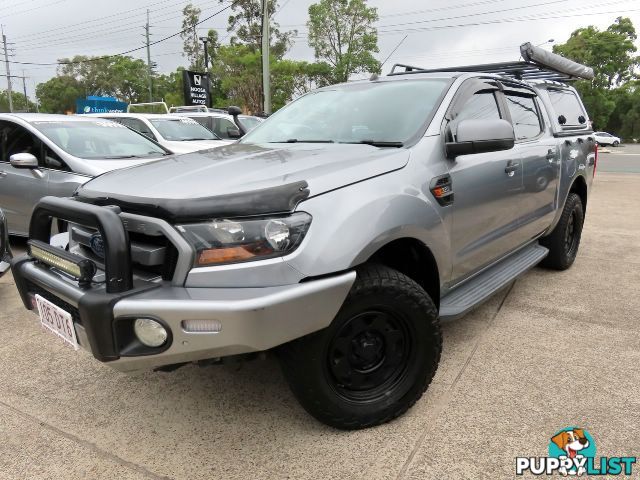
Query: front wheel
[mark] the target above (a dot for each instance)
(376, 358)
(616, 143)
(563, 242)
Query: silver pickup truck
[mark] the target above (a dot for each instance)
(338, 233)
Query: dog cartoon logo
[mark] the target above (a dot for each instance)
(572, 451)
(572, 443)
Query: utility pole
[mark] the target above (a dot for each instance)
(266, 75)
(6, 62)
(24, 89)
(146, 28)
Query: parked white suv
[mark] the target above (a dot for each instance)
(604, 138)
(179, 134)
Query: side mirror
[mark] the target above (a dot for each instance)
(233, 133)
(234, 112)
(5, 250)
(23, 160)
(480, 136)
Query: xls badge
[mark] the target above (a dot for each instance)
(572, 451)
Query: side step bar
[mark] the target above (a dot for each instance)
(479, 288)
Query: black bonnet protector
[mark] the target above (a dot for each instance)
(276, 199)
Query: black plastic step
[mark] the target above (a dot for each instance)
(479, 288)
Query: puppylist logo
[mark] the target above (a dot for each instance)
(572, 451)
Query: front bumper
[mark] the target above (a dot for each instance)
(249, 319)
(246, 319)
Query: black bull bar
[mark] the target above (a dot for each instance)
(117, 259)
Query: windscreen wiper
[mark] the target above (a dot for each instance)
(376, 143)
(295, 140)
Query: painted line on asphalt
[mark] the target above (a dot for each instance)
(446, 397)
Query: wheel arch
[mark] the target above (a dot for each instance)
(579, 187)
(414, 259)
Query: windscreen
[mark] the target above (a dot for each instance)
(182, 129)
(100, 139)
(382, 112)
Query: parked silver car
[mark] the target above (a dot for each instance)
(44, 154)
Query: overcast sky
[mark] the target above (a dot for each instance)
(440, 32)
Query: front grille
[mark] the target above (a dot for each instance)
(67, 307)
(165, 269)
(151, 255)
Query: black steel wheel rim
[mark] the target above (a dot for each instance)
(571, 233)
(369, 355)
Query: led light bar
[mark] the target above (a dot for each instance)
(79, 267)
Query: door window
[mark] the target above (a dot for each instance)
(17, 139)
(481, 106)
(53, 161)
(221, 127)
(525, 116)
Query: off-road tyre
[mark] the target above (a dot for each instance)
(563, 242)
(386, 318)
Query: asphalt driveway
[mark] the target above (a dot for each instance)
(552, 350)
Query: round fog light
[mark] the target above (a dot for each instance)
(150, 332)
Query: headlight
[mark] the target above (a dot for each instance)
(231, 241)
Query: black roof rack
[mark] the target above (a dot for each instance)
(538, 64)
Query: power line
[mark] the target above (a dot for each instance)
(31, 9)
(504, 20)
(95, 34)
(71, 62)
(101, 19)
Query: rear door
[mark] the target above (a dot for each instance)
(540, 158)
(487, 188)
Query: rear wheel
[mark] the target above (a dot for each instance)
(563, 242)
(376, 358)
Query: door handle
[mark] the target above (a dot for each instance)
(551, 155)
(511, 168)
(3, 174)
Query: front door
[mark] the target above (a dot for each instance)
(486, 189)
(20, 189)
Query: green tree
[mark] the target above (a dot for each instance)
(611, 54)
(246, 23)
(193, 48)
(59, 94)
(20, 102)
(120, 76)
(169, 87)
(342, 33)
(239, 70)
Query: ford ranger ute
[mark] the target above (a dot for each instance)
(338, 233)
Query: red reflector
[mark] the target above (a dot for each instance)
(595, 161)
